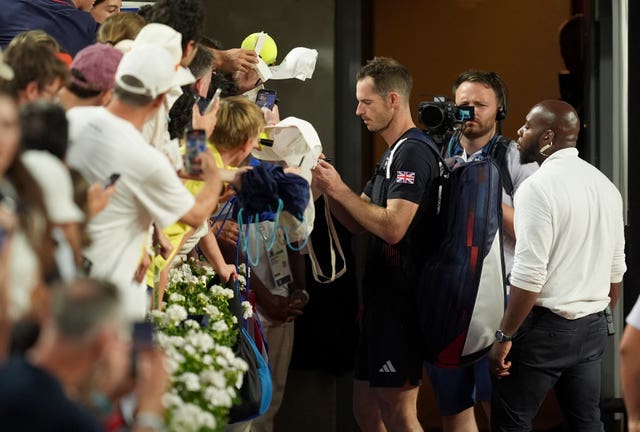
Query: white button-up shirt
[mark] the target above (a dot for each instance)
(570, 236)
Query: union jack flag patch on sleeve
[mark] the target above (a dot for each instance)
(407, 177)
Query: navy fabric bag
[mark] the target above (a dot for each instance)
(256, 391)
(462, 288)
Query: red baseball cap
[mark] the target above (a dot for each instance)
(94, 67)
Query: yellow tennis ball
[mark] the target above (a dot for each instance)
(269, 48)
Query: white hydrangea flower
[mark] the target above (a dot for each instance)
(226, 352)
(247, 310)
(222, 361)
(239, 381)
(219, 291)
(191, 324)
(239, 364)
(213, 377)
(191, 381)
(220, 326)
(176, 313)
(204, 341)
(207, 420)
(217, 397)
(190, 349)
(185, 418)
(212, 311)
(177, 298)
(208, 380)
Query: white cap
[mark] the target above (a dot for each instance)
(55, 182)
(296, 142)
(152, 66)
(166, 37)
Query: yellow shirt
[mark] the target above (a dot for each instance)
(175, 233)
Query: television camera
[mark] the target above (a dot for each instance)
(442, 118)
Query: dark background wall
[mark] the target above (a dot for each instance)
(291, 23)
(438, 39)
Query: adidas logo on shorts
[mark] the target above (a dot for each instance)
(387, 367)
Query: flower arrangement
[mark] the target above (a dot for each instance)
(197, 331)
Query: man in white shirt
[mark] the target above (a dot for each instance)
(568, 267)
(630, 368)
(106, 141)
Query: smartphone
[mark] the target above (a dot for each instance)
(216, 96)
(143, 335)
(266, 98)
(143, 339)
(111, 180)
(196, 143)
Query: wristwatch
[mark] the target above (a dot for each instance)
(501, 337)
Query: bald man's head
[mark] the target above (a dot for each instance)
(551, 125)
(563, 120)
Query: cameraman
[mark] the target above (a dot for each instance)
(457, 390)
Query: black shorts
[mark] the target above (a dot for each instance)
(390, 351)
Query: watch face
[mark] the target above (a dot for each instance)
(501, 337)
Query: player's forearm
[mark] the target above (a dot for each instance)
(374, 219)
(345, 218)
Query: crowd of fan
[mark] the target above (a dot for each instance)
(96, 202)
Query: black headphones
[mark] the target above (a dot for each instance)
(502, 95)
(489, 79)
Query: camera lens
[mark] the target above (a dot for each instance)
(431, 115)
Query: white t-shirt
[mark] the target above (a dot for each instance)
(570, 230)
(634, 316)
(148, 190)
(519, 173)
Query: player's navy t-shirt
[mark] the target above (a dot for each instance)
(409, 176)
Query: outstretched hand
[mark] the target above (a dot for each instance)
(206, 121)
(237, 59)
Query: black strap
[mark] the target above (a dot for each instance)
(420, 135)
(499, 154)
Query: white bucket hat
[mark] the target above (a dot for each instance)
(296, 142)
